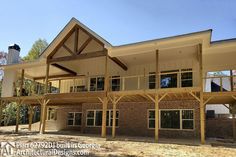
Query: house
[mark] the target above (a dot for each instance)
(155, 88)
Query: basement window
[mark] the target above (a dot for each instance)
(52, 114)
(180, 119)
(94, 118)
(74, 119)
(151, 119)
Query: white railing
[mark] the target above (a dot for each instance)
(219, 83)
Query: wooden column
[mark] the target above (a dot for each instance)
(59, 86)
(44, 116)
(231, 80)
(22, 81)
(156, 117)
(105, 99)
(46, 78)
(233, 121)
(157, 97)
(1, 108)
(202, 105)
(114, 120)
(17, 115)
(30, 110)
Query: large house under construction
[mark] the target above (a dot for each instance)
(154, 88)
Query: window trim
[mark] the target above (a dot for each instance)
(74, 119)
(95, 118)
(181, 120)
(47, 119)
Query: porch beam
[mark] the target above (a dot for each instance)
(157, 70)
(119, 63)
(64, 69)
(46, 79)
(78, 57)
(54, 76)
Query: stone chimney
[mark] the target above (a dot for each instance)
(13, 54)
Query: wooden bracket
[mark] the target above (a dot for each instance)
(194, 96)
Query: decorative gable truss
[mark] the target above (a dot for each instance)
(79, 44)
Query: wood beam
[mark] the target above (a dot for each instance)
(22, 81)
(54, 76)
(76, 40)
(118, 62)
(68, 50)
(191, 93)
(78, 57)
(84, 45)
(64, 69)
(44, 115)
(18, 104)
(61, 43)
(104, 116)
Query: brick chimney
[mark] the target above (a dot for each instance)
(13, 54)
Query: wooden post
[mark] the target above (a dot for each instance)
(105, 99)
(156, 117)
(46, 79)
(17, 115)
(22, 81)
(1, 107)
(30, 110)
(59, 86)
(44, 115)
(114, 120)
(231, 80)
(157, 70)
(202, 105)
(233, 121)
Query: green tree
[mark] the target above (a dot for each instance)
(37, 48)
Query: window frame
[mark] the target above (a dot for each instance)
(74, 119)
(94, 118)
(181, 120)
(48, 114)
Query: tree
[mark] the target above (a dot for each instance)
(38, 47)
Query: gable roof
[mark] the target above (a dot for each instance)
(69, 26)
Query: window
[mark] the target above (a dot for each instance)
(97, 84)
(186, 78)
(152, 80)
(173, 119)
(94, 118)
(52, 114)
(151, 119)
(115, 83)
(169, 80)
(170, 119)
(187, 119)
(74, 118)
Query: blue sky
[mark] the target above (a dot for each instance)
(117, 21)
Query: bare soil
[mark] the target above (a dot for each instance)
(125, 146)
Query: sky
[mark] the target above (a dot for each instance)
(118, 21)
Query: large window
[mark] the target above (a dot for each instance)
(74, 118)
(96, 83)
(173, 119)
(94, 118)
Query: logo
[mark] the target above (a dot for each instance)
(7, 148)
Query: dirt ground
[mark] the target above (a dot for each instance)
(122, 146)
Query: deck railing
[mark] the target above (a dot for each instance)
(219, 83)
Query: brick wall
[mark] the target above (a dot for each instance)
(219, 128)
(133, 118)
